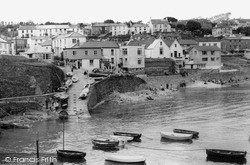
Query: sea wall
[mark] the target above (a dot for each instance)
(118, 83)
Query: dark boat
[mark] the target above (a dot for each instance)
(136, 136)
(98, 75)
(63, 115)
(226, 154)
(194, 133)
(105, 143)
(70, 156)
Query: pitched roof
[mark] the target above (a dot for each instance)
(99, 44)
(207, 40)
(70, 34)
(188, 42)
(40, 38)
(207, 48)
(145, 42)
(140, 25)
(47, 43)
(168, 42)
(27, 28)
(159, 21)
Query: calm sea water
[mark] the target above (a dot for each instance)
(222, 116)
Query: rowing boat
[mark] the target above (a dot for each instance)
(176, 136)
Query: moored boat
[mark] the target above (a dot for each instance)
(63, 115)
(225, 154)
(122, 138)
(98, 74)
(183, 131)
(74, 79)
(176, 136)
(14, 125)
(125, 159)
(69, 74)
(68, 83)
(84, 92)
(136, 136)
(105, 143)
(69, 155)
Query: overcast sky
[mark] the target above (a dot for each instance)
(88, 11)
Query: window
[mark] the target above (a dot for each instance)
(86, 52)
(171, 54)
(160, 43)
(91, 62)
(175, 54)
(161, 51)
(112, 51)
(139, 61)
(212, 52)
(179, 54)
(139, 51)
(204, 59)
(73, 41)
(204, 52)
(215, 44)
(124, 51)
(212, 59)
(175, 45)
(203, 44)
(74, 52)
(126, 59)
(112, 60)
(95, 52)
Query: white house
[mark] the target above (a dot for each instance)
(34, 42)
(176, 51)
(119, 29)
(66, 40)
(209, 42)
(159, 25)
(139, 29)
(4, 47)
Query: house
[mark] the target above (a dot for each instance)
(47, 30)
(90, 55)
(204, 57)
(209, 42)
(237, 43)
(119, 29)
(4, 47)
(176, 51)
(34, 42)
(159, 25)
(41, 51)
(186, 44)
(139, 28)
(66, 40)
(222, 30)
(132, 58)
(98, 28)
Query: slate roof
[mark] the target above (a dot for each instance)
(168, 42)
(188, 42)
(207, 40)
(99, 44)
(140, 25)
(207, 48)
(47, 43)
(145, 42)
(70, 34)
(27, 28)
(159, 21)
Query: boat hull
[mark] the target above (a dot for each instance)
(194, 133)
(105, 143)
(63, 115)
(70, 156)
(225, 154)
(125, 159)
(176, 136)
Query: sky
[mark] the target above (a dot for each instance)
(87, 11)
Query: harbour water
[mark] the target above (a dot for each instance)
(221, 116)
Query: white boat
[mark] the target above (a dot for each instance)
(84, 92)
(74, 79)
(122, 138)
(68, 83)
(125, 159)
(176, 136)
(69, 74)
(91, 81)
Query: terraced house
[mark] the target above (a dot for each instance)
(204, 57)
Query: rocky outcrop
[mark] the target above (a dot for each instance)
(118, 83)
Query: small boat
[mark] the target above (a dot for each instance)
(149, 98)
(225, 154)
(14, 125)
(69, 155)
(21, 126)
(62, 89)
(68, 83)
(176, 136)
(125, 159)
(74, 79)
(136, 136)
(84, 92)
(91, 81)
(69, 74)
(105, 143)
(122, 138)
(62, 96)
(194, 133)
(98, 75)
(63, 115)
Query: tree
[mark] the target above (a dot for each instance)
(109, 21)
(171, 19)
(181, 27)
(193, 25)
